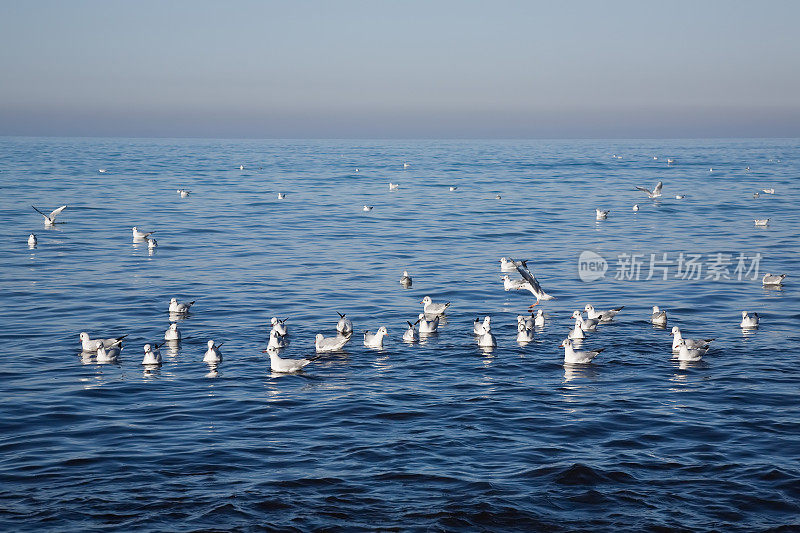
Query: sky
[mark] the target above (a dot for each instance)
(400, 69)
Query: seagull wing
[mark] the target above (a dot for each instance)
(657, 190)
(536, 289)
(56, 212)
(645, 190)
(45, 216)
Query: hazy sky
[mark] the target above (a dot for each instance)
(400, 69)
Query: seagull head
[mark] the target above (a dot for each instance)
(273, 320)
(382, 331)
(210, 345)
(576, 314)
(566, 343)
(84, 336)
(173, 300)
(656, 309)
(744, 314)
(426, 300)
(675, 330)
(589, 308)
(147, 348)
(173, 326)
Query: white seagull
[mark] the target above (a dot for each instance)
(279, 326)
(761, 221)
(453, 188)
(587, 324)
(213, 355)
(184, 192)
(480, 327)
(655, 193)
(179, 308)
(91, 345)
(539, 320)
(659, 317)
(393, 186)
(152, 355)
(526, 320)
(282, 196)
(487, 340)
(514, 284)
(600, 214)
(375, 340)
(535, 288)
(344, 325)
(110, 354)
(428, 326)
(431, 308)
(507, 265)
(573, 357)
(577, 331)
(151, 243)
(286, 366)
(367, 208)
(689, 354)
(770, 279)
(172, 333)
(410, 334)
(276, 341)
(50, 219)
(524, 335)
(602, 316)
(749, 322)
(140, 235)
(677, 338)
(32, 240)
(330, 344)
(406, 279)
(635, 207)
(768, 191)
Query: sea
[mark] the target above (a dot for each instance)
(434, 435)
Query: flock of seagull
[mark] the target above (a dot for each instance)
(107, 350)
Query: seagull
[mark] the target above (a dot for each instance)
(761, 221)
(345, 325)
(279, 326)
(507, 265)
(152, 355)
(768, 279)
(659, 317)
(689, 354)
(573, 357)
(577, 332)
(406, 165)
(151, 243)
(655, 193)
(539, 320)
(330, 344)
(756, 195)
(410, 334)
(172, 333)
(677, 338)
(213, 355)
(140, 235)
(453, 187)
(50, 219)
(635, 207)
(600, 214)
(32, 240)
(587, 324)
(102, 170)
(428, 326)
(603, 316)
(514, 284)
(276, 341)
(487, 340)
(749, 322)
(282, 196)
(91, 345)
(524, 335)
(498, 197)
(179, 308)
(286, 366)
(526, 321)
(534, 287)
(481, 327)
(768, 191)
(431, 308)
(110, 354)
(405, 281)
(184, 192)
(367, 208)
(393, 186)
(670, 161)
(241, 167)
(375, 340)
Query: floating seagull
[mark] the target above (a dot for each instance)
(526, 321)
(410, 334)
(677, 338)
(768, 191)
(32, 240)
(539, 320)
(406, 165)
(577, 331)
(431, 308)
(102, 170)
(600, 214)
(172, 333)
(670, 161)
(689, 354)
(368, 208)
(635, 207)
(761, 221)
(110, 354)
(179, 308)
(375, 340)
(428, 326)
(276, 341)
(152, 355)
(480, 327)
(213, 355)
(487, 340)
(756, 195)
(241, 167)
(140, 235)
(91, 345)
(498, 197)
(151, 243)
(507, 265)
(393, 186)
(602, 316)
(330, 344)
(286, 366)
(711, 170)
(279, 326)
(587, 324)
(282, 196)
(534, 287)
(524, 335)
(184, 192)
(655, 193)
(514, 284)
(680, 196)
(405, 281)
(749, 322)
(344, 325)
(50, 219)
(659, 317)
(452, 187)
(768, 279)
(573, 357)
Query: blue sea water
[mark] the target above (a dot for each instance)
(438, 435)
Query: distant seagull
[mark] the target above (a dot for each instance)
(486, 339)
(140, 235)
(538, 321)
(524, 335)
(600, 214)
(526, 320)
(602, 316)
(428, 326)
(690, 343)
(689, 354)
(768, 279)
(507, 265)
(405, 281)
(655, 193)
(110, 354)
(179, 308)
(344, 325)
(213, 355)
(279, 326)
(50, 219)
(655, 158)
(375, 340)
(172, 333)
(431, 308)
(587, 324)
(670, 161)
(747, 169)
(453, 187)
(514, 284)
(330, 344)
(711, 170)
(184, 192)
(406, 165)
(479, 327)
(659, 317)
(573, 357)
(635, 207)
(756, 195)
(749, 322)
(91, 345)
(152, 355)
(102, 170)
(761, 221)
(680, 196)
(368, 208)
(241, 167)
(577, 331)
(768, 191)
(534, 287)
(276, 341)
(282, 196)
(151, 243)
(356, 170)
(32, 241)
(498, 197)
(393, 186)
(286, 366)
(410, 334)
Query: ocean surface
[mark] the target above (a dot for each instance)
(432, 436)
